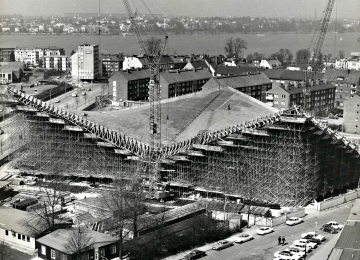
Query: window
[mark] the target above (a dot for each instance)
(43, 250)
(283, 96)
(7, 232)
(23, 237)
(19, 236)
(53, 254)
(113, 249)
(276, 102)
(64, 257)
(28, 239)
(283, 103)
(102, 251)
(276, 95)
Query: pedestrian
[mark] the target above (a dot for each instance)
(283, 241)
(279, 239)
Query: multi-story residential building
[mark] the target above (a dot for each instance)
(351, 123)
(34, 55)
(7, 54)
(56, 62)
(85, 64)
(129, 85)
(350, 63)
(110, 63)
(284, 76)
(180, 82)
(133, 84)
(347, 83)
(253, 84)
(320, 98)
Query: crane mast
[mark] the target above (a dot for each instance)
(154, 95)
(318, 38)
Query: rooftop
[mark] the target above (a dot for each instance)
(59, 238)
(183, 117)
(175, 76)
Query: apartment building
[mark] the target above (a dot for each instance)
(56, 62)
(347, 83)
(320, 97)
(7, 54)
(254, 84)
(110, 63)
(32, 56)
(133, 84)
(350, 63)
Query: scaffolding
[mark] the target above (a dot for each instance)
(287, 158)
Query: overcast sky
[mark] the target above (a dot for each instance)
(265, 8)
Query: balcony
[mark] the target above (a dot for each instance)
(269, 97)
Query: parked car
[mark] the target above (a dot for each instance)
(335, 225)
(296, 251)
(294, 221)
(195, 254)
(74, 94)
(56, 101)
(302, 247)
(329, 229)
(264, 230)
(305, 241)
(287, 255)
(243, 238)
(222, 245)
(83, 93)
(313, 234)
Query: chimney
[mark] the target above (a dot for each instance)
(325, 81)
(287, 86)
(178, 71)
(317, 82)
(296, 84)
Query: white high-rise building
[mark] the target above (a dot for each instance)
(85, 62)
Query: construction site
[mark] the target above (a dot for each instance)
(220, 142)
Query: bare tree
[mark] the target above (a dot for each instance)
(341, 54)
(50, 203)
(126, 202)
(153, 45)
(77, 243)
(234, 47)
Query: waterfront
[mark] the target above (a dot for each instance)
(186, 44)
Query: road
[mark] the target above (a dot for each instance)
(264, 247)
(80, 102)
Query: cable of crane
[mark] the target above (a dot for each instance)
(153, 16)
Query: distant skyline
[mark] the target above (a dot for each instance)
(255, 8)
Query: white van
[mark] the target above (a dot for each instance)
(74, 94)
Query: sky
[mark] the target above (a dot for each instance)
(254, 8)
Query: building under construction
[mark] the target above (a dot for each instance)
(218, 142)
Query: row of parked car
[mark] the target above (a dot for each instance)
(308, 242)
(220, 245)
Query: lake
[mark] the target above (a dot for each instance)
(186, 44)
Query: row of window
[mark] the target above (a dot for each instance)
(19, 236)
(62, 256)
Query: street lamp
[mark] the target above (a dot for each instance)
(50, 94)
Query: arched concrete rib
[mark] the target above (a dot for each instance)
(117, 139)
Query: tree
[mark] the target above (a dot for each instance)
(234, 47)
(50, 203)
(126, 201)
(302, 58)
(153, 45)
(341, 54)
(77, 243)
(328, 57)
(255, 56)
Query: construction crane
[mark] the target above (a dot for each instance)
(153, 60)
(319, 35)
